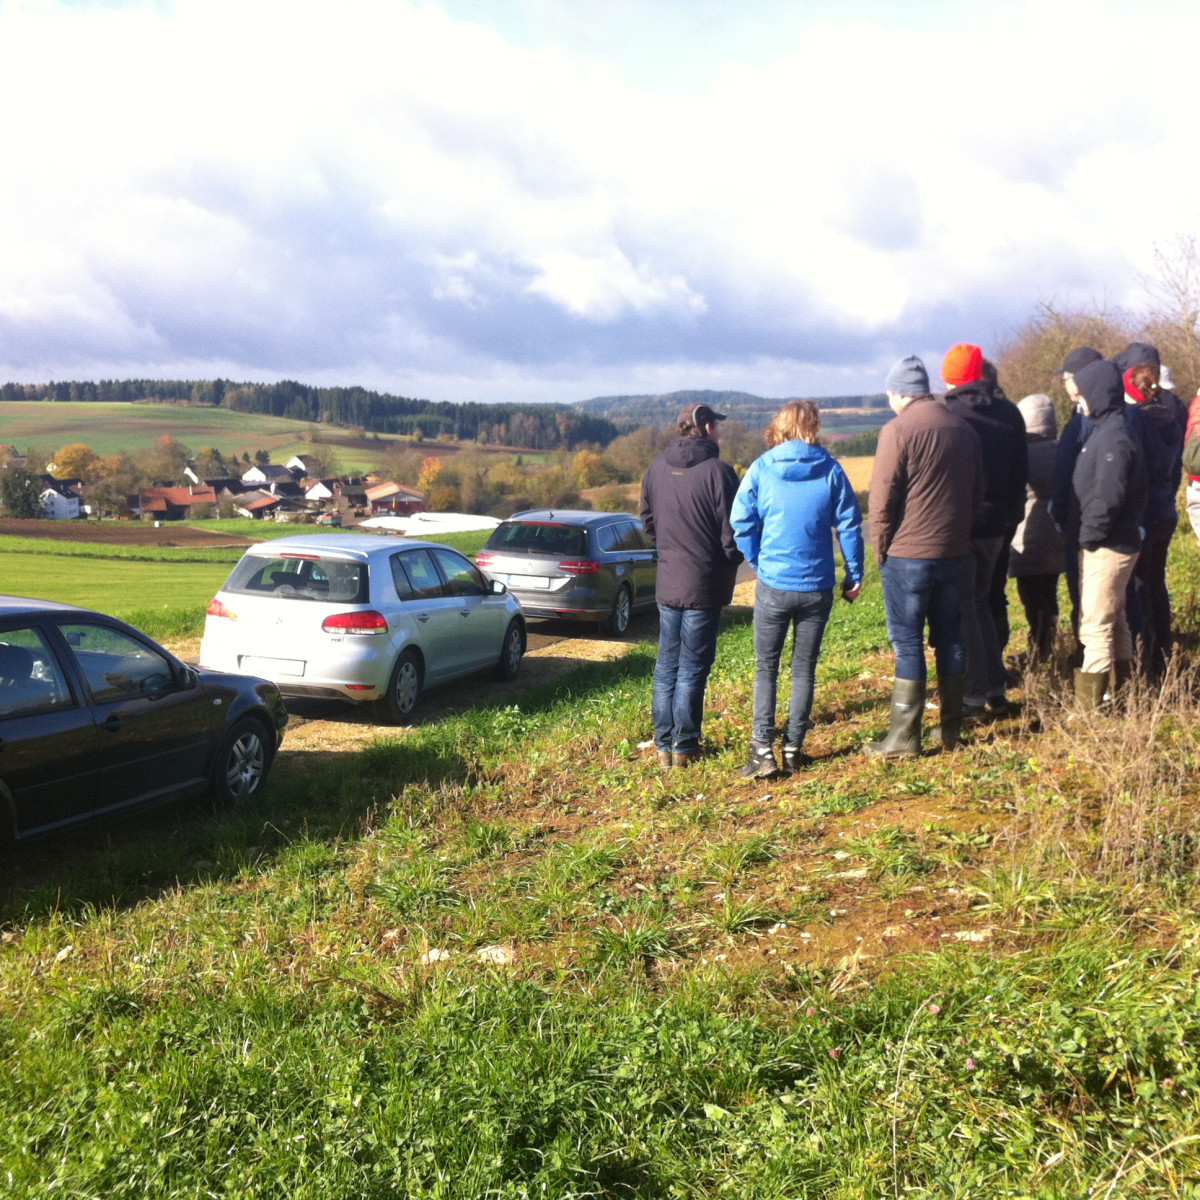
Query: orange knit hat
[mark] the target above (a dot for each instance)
(963, 364)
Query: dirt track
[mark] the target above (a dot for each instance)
(123, 533)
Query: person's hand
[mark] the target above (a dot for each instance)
(850, 591)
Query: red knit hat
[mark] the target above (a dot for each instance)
(963, 364)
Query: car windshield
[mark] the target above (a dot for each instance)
(295, 577)
(539, 537)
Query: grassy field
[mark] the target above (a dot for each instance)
(108, 428)
(503, 955)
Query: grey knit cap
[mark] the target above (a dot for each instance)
(1038, 412)
(908, 378)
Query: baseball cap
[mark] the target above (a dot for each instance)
(1078, 359)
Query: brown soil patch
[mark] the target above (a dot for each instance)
(124, 533)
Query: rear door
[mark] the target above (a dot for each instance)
(643, 559)
(155, 729)
(434, 612)
(48, 742)
(482, 616)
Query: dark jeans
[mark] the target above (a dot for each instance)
(1147, 601)
(687, 646)
(775, 612)
(985, 659)
(916, 590)
(998, 593)
(1039, 598)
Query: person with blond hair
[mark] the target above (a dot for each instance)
(788, 503)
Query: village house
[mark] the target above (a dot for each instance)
(172, 503)
(394, 499)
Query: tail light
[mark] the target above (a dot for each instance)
(217, 608)
(356, 622)
(583, 566)
(484, 560)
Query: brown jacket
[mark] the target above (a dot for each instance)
(927, 484)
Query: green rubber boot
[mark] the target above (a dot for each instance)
(904, 734)
(950, 715)
(1090, 687)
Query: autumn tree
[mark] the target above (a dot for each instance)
(75, 461)
(589, 469)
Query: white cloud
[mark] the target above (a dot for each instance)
(375, 189)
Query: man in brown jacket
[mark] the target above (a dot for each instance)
(925, 489)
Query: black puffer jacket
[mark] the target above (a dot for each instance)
(1001, 432)
(687, 493)
(1110, 472)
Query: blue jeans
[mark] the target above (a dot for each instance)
(775, 612)
(687, 646)
(916, 590)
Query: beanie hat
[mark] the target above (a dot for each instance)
(1166, 381)
(1038, 413)
(1135, 353)
(1078, 359)
(908, 378)
(963, 364)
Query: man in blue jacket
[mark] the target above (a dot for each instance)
(687, 492)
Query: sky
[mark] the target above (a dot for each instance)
(549, 200)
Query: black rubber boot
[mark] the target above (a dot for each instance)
(950, 705)
(1090, 687)
(904, 734)
(1123, 671)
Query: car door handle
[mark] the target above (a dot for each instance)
(464, 612)
(112, 723)
(422, 617)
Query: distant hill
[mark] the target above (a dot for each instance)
(753, 411)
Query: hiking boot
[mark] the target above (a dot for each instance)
(904, 732)
(684, 758)
(1089, 689)
(794, 759)
(761, 763)
(664, 759)
(998, 706)
(950, 704)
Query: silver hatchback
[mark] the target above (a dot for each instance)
(361, 618)
(575, 565)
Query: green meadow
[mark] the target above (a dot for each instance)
(108, 428)
(502, 954)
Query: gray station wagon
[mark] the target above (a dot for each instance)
(574, 565)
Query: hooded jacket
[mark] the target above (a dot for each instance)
(1162, 422)
(788, 501)
(1001, 433)
(1037, 546)
(687, 492)
(1110, 473)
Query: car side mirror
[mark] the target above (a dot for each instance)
(498, 588)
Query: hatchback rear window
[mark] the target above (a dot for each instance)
(325, 579)
(539, 537)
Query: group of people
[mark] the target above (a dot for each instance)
(968, 490)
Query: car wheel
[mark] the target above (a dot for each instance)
(242, 763)
(404, 690)
(511, 652)
(618, 621)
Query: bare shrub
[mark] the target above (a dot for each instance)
(1112, 793)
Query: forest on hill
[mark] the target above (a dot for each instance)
(535, 426)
